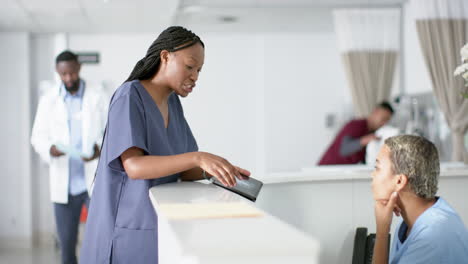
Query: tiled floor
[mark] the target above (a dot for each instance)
(45, 253)
(30, 256)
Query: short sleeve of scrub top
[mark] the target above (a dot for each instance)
(126, 128)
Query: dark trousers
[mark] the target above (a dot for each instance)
(67, 219)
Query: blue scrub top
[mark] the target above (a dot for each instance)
(122, 224)
(438, 236)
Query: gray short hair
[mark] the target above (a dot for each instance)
(418, 159)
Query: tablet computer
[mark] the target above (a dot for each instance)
(249, 188)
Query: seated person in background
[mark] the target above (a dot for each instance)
(405, 182)
(349, 146)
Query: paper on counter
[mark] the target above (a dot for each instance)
(185, 211)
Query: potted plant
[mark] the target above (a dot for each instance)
(462, 70)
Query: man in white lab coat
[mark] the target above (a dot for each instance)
(67, 134)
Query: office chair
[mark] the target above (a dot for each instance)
(364, 246)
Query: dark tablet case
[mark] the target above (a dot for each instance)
(247, 188)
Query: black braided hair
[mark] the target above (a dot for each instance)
(171, 39)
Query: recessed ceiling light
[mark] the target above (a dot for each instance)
(227, 19)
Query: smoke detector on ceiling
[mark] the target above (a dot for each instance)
(227, 19)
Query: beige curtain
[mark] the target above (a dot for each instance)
(441, 41)
(370, 77)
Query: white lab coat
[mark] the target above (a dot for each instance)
(51, 127)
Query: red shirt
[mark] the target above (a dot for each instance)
(355, 129)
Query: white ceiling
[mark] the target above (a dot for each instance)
(85, 15)
(89, 16)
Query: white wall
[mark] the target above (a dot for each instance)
(416, 73)
(44, 48)
(118, 54)
(304, 81)
(260, 98)
(220, 110)
(227, 103)
(16, 202)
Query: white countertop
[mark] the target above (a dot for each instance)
(350, 172)
(263, 239)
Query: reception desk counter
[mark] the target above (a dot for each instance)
(202, 223)
(350, 172)
(294, 211)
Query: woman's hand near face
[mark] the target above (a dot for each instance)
(384, 210)
(222, 169)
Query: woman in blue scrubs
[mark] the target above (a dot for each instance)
(147, 142)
